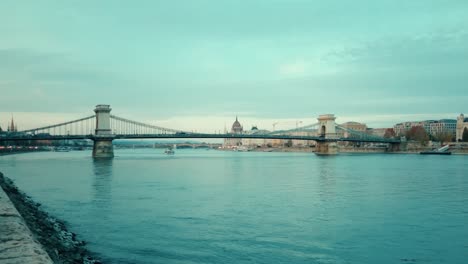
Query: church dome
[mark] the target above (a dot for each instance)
(236, 127)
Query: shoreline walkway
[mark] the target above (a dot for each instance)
(17, 243)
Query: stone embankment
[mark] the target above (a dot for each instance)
(17, 244)
(30, 235)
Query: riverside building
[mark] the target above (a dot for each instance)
(354, 126)
(255, 142)
(462, 124)
(432, 127)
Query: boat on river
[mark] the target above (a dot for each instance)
(441, 151)
(170, 151)
(63, 149)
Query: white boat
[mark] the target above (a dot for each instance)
(242, 149)
(62, 149)
(170, 150)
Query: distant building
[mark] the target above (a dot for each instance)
(355, 126)
(443, 126)
(462, 123)
(235, 129)
(276, 143)
(401, 128)
(303, 143)
(378, 132)
(432, 127)
(255, 142)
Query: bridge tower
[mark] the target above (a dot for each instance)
(103, 134)
(327, 131)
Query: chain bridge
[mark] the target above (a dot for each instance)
(103, 128)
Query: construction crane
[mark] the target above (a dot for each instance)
(276, 123)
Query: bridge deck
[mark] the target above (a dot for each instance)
(193, 136)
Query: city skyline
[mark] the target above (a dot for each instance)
(199, 64)
(247, 122)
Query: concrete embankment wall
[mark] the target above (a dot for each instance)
(17, 243)
(362, 150)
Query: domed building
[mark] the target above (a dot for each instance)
(255, 142)
(235, 129)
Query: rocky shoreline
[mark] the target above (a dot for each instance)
(62, 245)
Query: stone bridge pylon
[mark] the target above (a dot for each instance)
(103, 134)
(327, 132)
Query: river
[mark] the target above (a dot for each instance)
(202, 206)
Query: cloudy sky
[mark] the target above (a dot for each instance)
(196, 64)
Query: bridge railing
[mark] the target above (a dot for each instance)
(87, 126)
(309, 130)
(82, 126)
(123, 126)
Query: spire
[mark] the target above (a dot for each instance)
(12, 127)
(236, 117)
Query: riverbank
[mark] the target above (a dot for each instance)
(9, 152)
(354, 150)
(61, 245)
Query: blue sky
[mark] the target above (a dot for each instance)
(196, 64)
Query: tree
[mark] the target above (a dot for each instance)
(418, 133)
(443, 136)
(389, 133)
(289, 143)
(465, 135)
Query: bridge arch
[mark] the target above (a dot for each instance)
(323, 131)
(327, 131)
(327, 126)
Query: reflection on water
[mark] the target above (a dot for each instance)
(102, 185)
(102, 167)
(326, 175)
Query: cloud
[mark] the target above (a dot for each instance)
(164, 60)
(43, 81)
(442, 49)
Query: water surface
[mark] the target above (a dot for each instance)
(203, 206)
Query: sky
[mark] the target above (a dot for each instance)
(196, 64)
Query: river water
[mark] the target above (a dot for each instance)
(202, 206)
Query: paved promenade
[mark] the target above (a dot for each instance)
(17, 244)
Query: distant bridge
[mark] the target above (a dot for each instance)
(103, 128)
